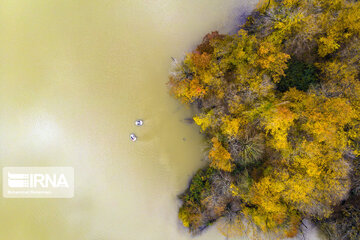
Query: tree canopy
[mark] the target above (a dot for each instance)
(279, 104)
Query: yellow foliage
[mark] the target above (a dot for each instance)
(220, 157)
(271, 59)
(204, 121)
(327, 45)
(290, 3)
(278, 124)
(187, 90)
(286, 25)
(184, 217)
(265, 4)
(231, 126)
(303, 170)
(345, 25)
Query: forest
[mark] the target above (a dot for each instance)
(279, 106)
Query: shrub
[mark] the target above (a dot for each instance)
(299, 75)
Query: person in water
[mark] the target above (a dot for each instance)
(139, 122)
(133, 137)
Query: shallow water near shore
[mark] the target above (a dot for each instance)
(74, 76)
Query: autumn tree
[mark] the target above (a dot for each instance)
(278, 103)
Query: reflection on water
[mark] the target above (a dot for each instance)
(74, 75)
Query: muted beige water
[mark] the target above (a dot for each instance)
(74, 75)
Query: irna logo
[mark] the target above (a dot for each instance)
(16, 180)
(38, 182)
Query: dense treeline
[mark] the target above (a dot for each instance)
(279, 105)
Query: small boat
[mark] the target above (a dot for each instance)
(139, 122)
(133, 137)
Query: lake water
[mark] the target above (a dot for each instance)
(74, 76)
